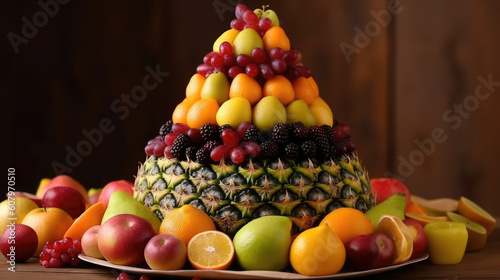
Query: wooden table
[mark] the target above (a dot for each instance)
(484, 264)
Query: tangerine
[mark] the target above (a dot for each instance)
(193, 89)
(275, 37)
(180, 112)
(202, 112)
(280, 87)
(246, 87)
(348, 223)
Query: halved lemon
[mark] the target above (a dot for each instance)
(210, 250)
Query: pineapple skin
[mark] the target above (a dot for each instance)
(232, 195)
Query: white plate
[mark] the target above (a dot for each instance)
(248, 274)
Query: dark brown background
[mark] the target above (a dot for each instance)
(394, 91)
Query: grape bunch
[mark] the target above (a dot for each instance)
(61, 253)
(260, 64)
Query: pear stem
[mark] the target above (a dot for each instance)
(264, 7)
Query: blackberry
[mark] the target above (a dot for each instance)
(292, 151)
(210, 145)
(166, 128)
(181, 143)
(265, 136)
(224, 127)
(203, 155)
(329, 134)
(280, 134)
(319, 136)
(298, 132)
(309, 149)
(210, 132)
(269, 149)
(252, 134)
(191, 153)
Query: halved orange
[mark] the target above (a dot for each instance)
(424, 219)
(475, 213)
(401, 235)
(211, 250)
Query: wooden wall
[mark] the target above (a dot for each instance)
(411, 62)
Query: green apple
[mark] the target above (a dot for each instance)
(394, 206)
(121, 202)
(247, 40)
(264, 243)
(298, 111)
(216, 86)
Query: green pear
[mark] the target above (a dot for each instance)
(227, 36)
(234, 112)
(216, 86)
(247, 40)
(394, 206)
(264, 243)
(270, 14)
(268, 112)
(121, 202)
(298, 111)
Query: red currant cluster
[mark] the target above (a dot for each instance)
(259, 64)
(61, 253)
(125, 276)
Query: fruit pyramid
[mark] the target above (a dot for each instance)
(253, 137)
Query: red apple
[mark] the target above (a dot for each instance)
(29, 196)
(123, 237)
(370, 251)
(165, 252)
(89, 243)
(18, 243)
(383, 188)
(419, 237)
(111, 187)
(65, 198)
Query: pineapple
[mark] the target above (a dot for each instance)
(234, 194)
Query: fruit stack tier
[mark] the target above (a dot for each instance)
(253, 137)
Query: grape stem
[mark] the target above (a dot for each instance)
(264, 7)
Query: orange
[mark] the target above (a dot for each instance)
(281, 88)
(275, 37)
(50, 224)
(201, 112)
(475, 213)
(314, 85)
(246, 87)
(303, 90)
(416, 209)
(348, 223)
(399, 233)
(185, 222)
(193, 89)
(180, 112)
(91, 217)
(211, 250)
(67, 181)
(317, 251)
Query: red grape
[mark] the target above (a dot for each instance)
(240, 10)
(253, 26)
(159, 148)
(220, 152)
(216, 60)
(340, 131)
(251, 149)
(265, 23)
(234, 71)
(228, 59)
(180, 128)
(303, 71)
(170, 138)
(195, 135)
(208, 57)
(258, 55)
(154, 140)
(237, 155)
(265, 71)
(238, 24)
(204, 69)
(291, 73)
(243, 60)
(220, 69)
(242, 129)
(168, 152)
(278, 65)
(230, 138)
(292, 57)
(252, 70)
(225, 48)
(276, 53)
(250, 17)
(149, 149)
